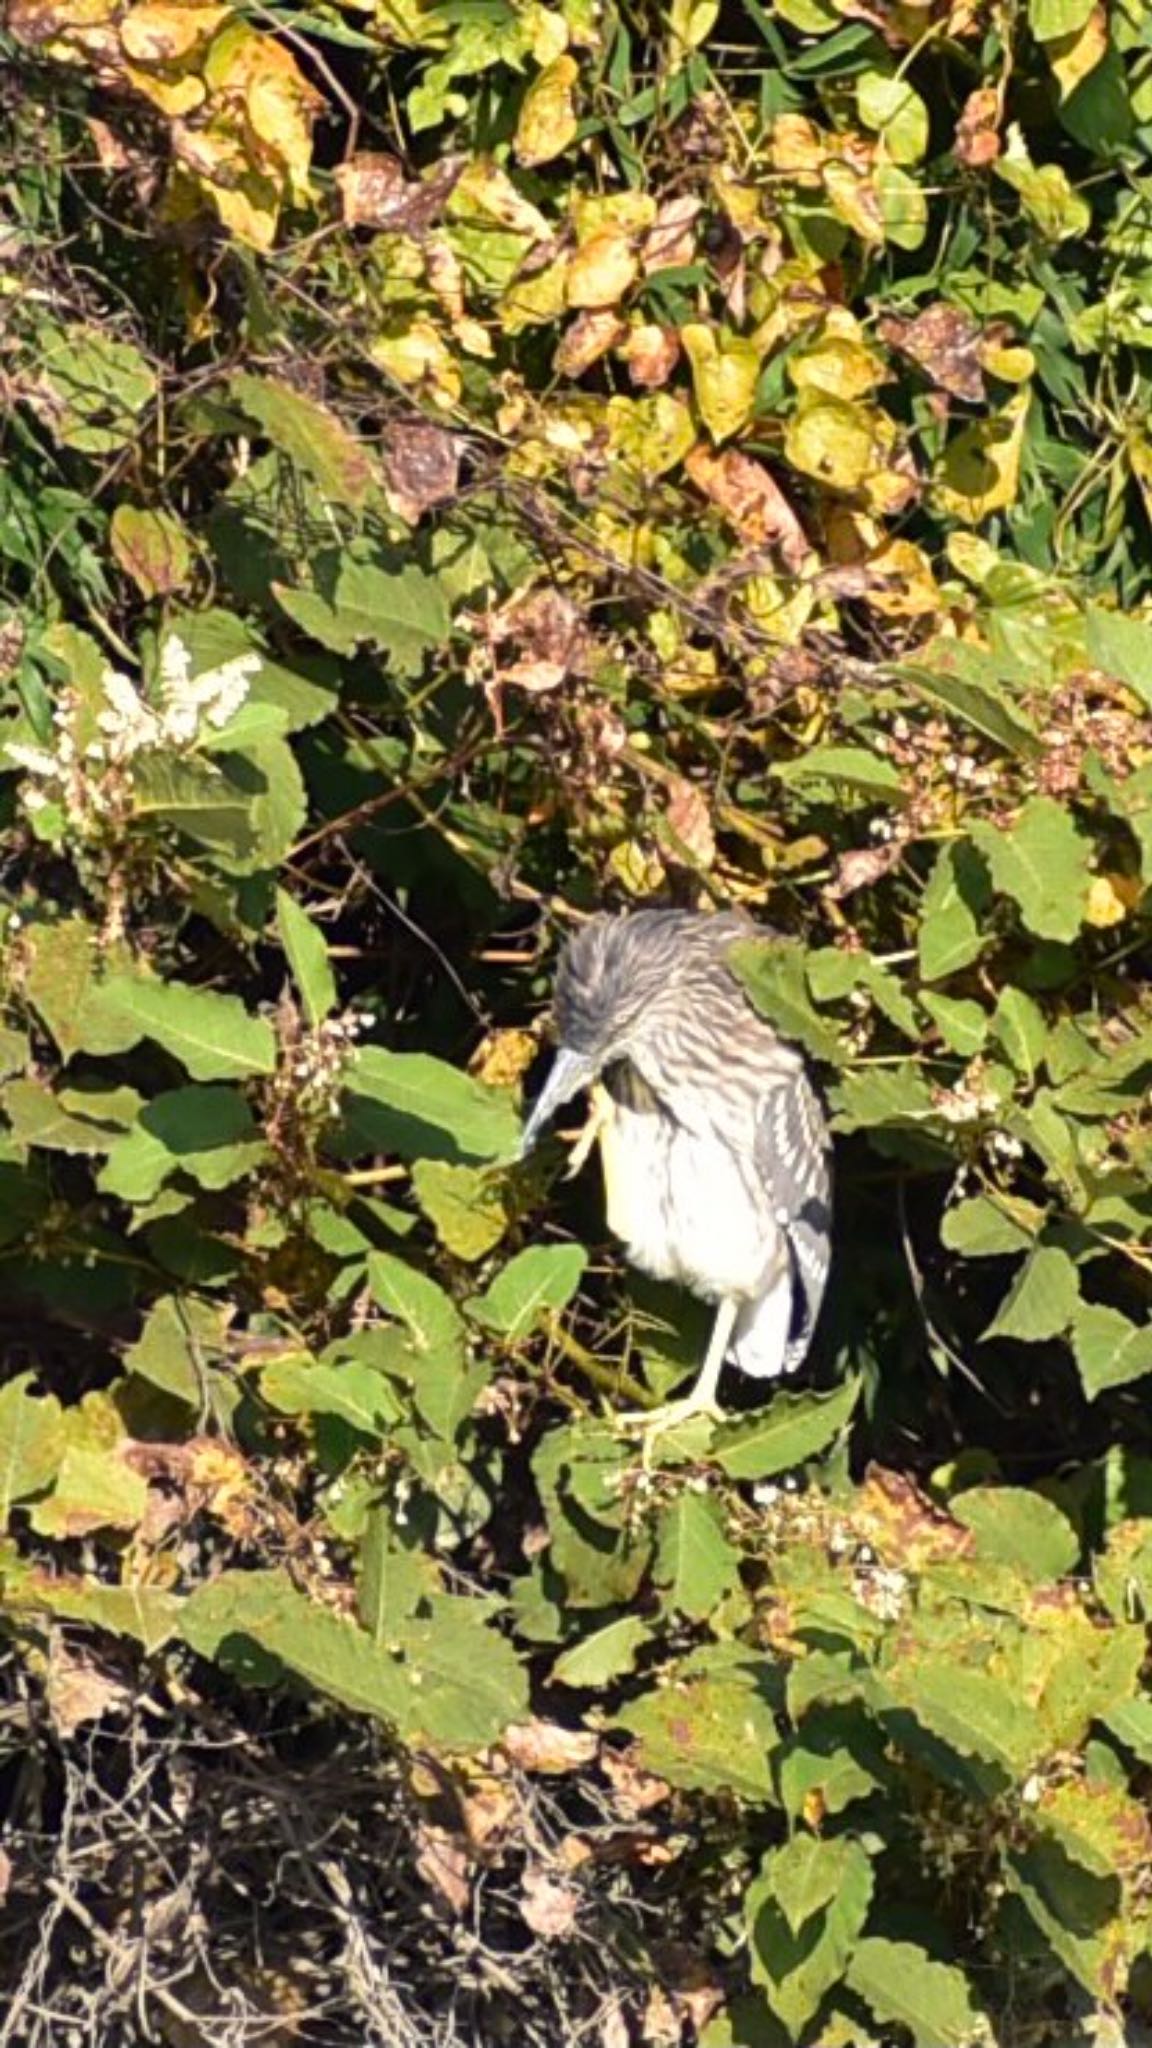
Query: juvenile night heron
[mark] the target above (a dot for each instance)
(714, 1145)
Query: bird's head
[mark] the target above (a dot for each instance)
(613, 977)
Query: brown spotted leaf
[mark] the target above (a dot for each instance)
(421, 465)
(945, 343)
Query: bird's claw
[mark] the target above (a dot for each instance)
(651, 1424)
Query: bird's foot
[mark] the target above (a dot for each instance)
(651, 1425)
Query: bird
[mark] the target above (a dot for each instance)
(714, 1146)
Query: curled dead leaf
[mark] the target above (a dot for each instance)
(945, 343)
(80, 1689)
(545, 1748)
(549, 1907)
(443, 1862)
(977, 138)
(690, 819)
(651, 354)
(671, 240)
(590, 336)
(375, 193)
(752, 500)
(602, 269)
(863, 866)
(421, 465)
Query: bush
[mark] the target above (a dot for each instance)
(467, 464)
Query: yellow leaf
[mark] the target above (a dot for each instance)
(834, 364)
(601, 270)
(981, 469)
(417, 356)
(908, 590)
(174, 97)
(691, 23)
(854, 198)
(652, 434)
(548, 121)
(836, 440)
(1073, 57)
(1109, 901)
(797, 149)
(164, 32)
(535, 301)
(725, 373)
(1012, 363)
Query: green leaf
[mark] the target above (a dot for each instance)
(903, 1986)
(31, 1442)
(1042, 1300)
(148, 1614)
(797, 1968)
(431, 1316)
(303, 942)
(890, 106)
(1019, 1025)
(1051, 20)
(418, 1107)
(1015, 1526)
(445, 1679)
(464, 1204)
(963, 1025)
(205, 1132)
(1130, 1721)
(952, 931)
(1109, 1350)
(708, 1727)
(542, 1279)
(1122, 646)
(308, 433)
(805, 1874)
(1074, 1910)
(610, 1652)
(182, 1339)
(695, 1563)
(38, 1117)
(356, 1392)
(773, 973)
(856, 771)
(98, 387)
(211, 1035)
(194, 798)
(981, 1229)
(404, 614)
(788, 1432)
(1041, 862)
(64, 985)
(972, 1712)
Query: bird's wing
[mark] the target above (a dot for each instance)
(792, 1155)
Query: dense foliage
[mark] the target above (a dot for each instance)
(466, 463)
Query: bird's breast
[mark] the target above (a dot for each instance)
(685, 1205)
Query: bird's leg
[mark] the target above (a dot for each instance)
(701, 1400)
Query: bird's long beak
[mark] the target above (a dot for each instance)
(571, 1071)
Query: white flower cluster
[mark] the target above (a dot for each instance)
(91, 781)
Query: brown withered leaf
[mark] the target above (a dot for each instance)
(651, 354)
(5, 1875)
(860, 868)
(79, 1689)
(374, 193)
(110, 150)
(589, 337)
(548, 1907)
(903, 1524)
(443, 1862)
(636, 1790)
(421, 465)
(671, 239)
(548, 1750)
(751, 499)
(977, 139)
(690, 819)
(944, 342)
